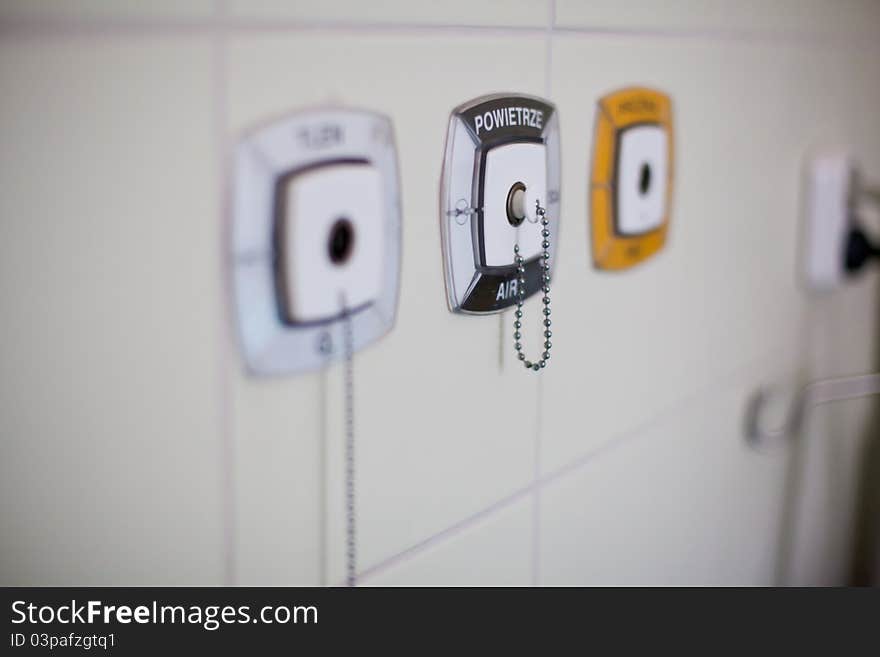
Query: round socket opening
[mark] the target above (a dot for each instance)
(341, 242)
(516, 204)
(645, 179)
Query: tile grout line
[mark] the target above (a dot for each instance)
(441, 536)
(539, 414)
(502, 317)
(23, 26)
(787, 526)
(227, 339)
(586, 458)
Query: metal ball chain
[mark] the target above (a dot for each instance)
(521, 294)
(350, 516)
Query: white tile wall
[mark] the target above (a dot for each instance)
(136, 450)
(111, 301)
(648, 510)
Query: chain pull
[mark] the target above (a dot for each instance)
(350, 517)
(541, 213)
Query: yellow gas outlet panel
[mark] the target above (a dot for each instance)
(631, 178)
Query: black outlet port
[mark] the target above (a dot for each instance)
(340, 245)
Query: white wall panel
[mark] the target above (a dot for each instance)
(60, 11)
(805, 18)
(683, 502)
(109, 278)
(491, 551)
(512, 13)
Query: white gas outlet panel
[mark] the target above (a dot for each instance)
(316, 237)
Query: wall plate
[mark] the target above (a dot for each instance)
(298, 183)
(493, 143)
(631, 178)
(829, 198)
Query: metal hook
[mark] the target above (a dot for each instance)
(812, 394)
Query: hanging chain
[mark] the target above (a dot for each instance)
(521, 294)
(350, 526)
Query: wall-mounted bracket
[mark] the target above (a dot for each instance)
(812, 394)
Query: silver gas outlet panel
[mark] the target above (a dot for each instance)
(502, 161)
